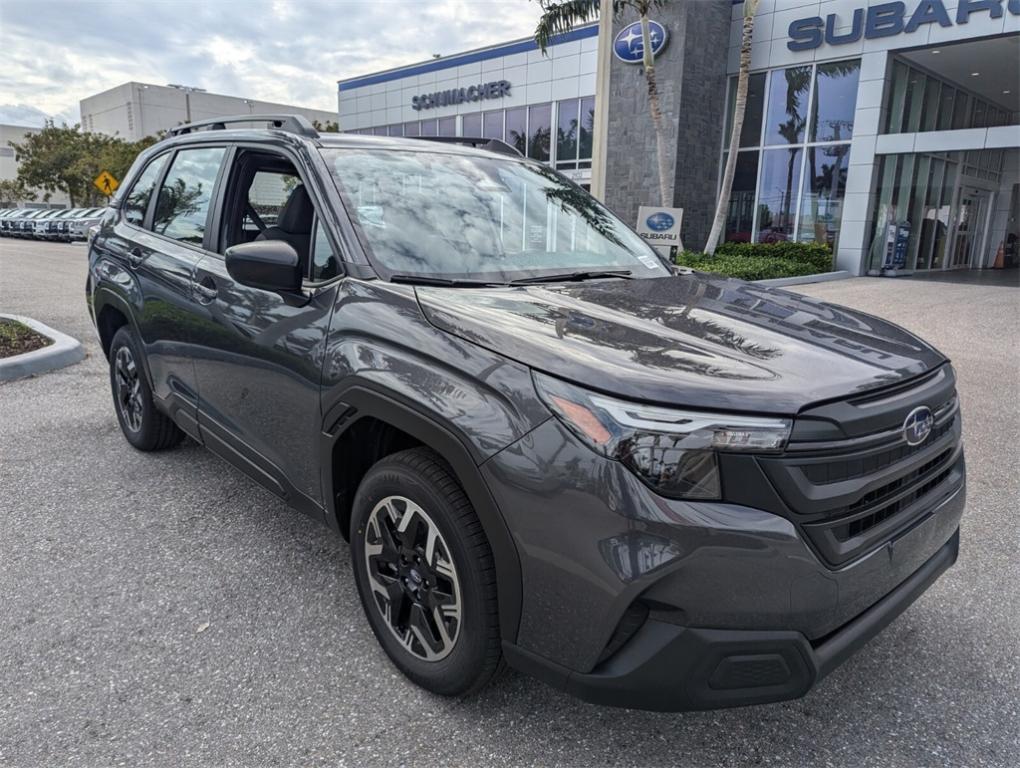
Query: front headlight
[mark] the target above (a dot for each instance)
(674, 451)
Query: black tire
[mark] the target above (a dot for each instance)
(144, 426)
(421, 477)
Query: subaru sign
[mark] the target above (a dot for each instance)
(660, 226)
(660, 221)
(629, 45)
(887, 20)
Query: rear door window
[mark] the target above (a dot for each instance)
(137, 201)
(182, 209)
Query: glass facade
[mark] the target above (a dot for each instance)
(575, 120)
(792, 162)
(929, 210)
(528, 129)
(918, 101)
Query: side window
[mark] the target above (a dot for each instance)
(324, 262)
(137, 200)
(267, 194)
(183, 204)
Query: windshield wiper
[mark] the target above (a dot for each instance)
(447, 282)
(569, 276)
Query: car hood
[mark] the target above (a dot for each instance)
(692, 340)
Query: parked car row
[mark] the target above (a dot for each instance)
(65, 224)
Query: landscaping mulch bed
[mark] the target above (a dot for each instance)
(17, 338)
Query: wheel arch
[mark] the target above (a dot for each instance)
(362, 401)
(112, 313)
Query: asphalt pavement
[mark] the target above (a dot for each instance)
(160, 609)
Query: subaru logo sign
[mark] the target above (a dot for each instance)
(660, 222)
(629, 46)
(918, 424)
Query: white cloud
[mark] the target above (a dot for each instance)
(57, 53)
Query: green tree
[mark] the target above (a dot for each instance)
(14, 191)
(330, 126)
(559, 16)
(67, 159)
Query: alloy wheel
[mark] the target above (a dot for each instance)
(129, 388)
(413, 578)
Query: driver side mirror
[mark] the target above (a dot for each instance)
(271, 265)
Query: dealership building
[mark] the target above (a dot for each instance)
(890, 130)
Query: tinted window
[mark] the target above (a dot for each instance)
(788, 102)
(324, 263)
(448, 126)
(750, 131)
(539, 131)
(780, 179)
(137, 201)
(184, 198)
(472, 125)
(832, 118)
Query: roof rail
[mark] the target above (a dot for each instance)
(493, 145)
(289, 123)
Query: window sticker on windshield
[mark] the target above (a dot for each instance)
(648, 261)
(371, 216)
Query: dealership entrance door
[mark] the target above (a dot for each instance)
(972, 214)
(938, 211)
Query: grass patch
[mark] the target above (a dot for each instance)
(761, 261)
(17, 338)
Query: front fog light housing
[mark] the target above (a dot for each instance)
(674, 451)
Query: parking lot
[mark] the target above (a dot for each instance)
(160, 609)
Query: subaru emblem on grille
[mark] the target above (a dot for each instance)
(917, 426)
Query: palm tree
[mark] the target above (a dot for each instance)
(559, 16)
(750, 8)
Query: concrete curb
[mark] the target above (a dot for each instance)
(62, 352)
(821, 277)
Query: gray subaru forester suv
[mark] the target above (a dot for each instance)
(546, 447)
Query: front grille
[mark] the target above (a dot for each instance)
(852, 495)
(837, 471)
(860, 525)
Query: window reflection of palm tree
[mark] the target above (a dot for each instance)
(798, 82)
(572, 198)
(176, 200)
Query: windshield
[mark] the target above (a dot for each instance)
(439, 215)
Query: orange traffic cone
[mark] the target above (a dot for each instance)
(1000, 257)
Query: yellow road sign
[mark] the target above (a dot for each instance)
(105, 183)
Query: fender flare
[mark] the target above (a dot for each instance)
(103, 297)
(360, 399)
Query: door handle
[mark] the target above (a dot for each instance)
(206, 290)
(136, 256)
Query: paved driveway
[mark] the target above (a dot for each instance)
(162, 610)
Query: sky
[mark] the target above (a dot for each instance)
(55, 52)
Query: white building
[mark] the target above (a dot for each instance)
(135, 110)
(9, 169)
(510, 92)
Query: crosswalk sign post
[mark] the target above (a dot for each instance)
(106, 183)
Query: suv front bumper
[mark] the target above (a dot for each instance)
(671, 668)
(738, 608)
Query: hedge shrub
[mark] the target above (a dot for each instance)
(762, 261)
